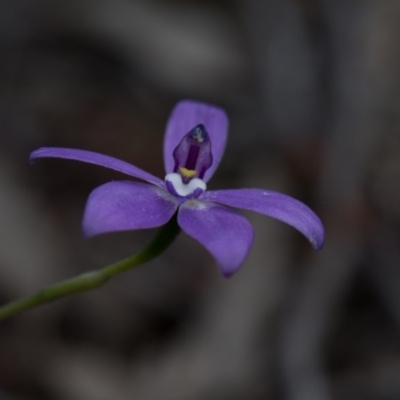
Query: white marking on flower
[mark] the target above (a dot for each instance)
(185, 189)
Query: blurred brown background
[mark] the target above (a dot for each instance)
(312, 88)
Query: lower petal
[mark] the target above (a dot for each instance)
(276, 205)
(227, 235)
(120, 206)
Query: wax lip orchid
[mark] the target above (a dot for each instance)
(194, 144)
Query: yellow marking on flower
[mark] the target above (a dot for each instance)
(187, 173)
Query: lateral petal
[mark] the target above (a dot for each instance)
(276, 205)
(121, 206)
(102, 160)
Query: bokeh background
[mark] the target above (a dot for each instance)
(312, 88)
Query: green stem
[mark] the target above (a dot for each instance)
(91, 280)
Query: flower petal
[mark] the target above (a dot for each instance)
(97, 159)
(184, 117)
(120, 206)
(227, 235)
(275, 205)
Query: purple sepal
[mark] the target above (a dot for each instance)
(227, 235)
(185, 116)
(276, 205)
(97, 159)
(121, 206)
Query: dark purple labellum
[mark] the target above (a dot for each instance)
(193, 154)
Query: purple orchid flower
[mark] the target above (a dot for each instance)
(194, 144)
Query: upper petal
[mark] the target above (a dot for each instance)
(97, 159)
(275, 205)
(227, 235)
(184, 117)
(120, 206)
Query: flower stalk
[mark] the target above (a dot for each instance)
(165, 235)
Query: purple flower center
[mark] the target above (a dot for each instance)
(193, 154)
(192, 159)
